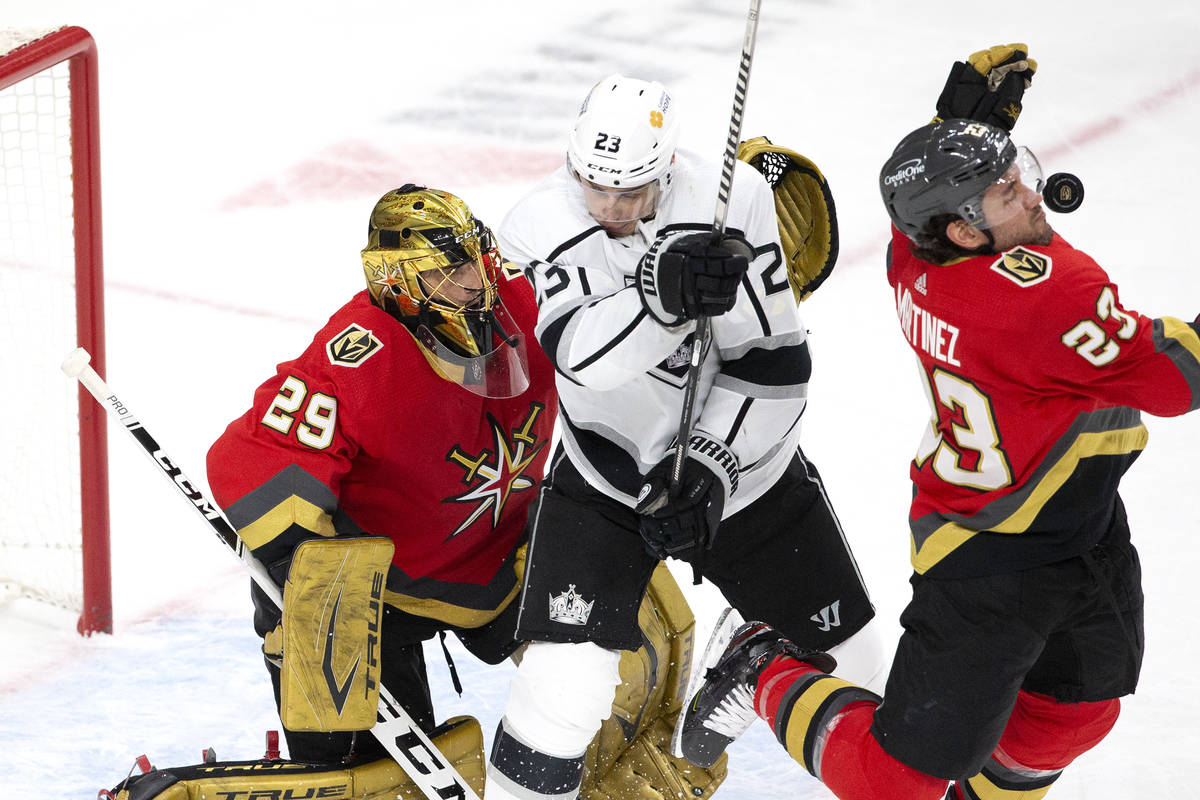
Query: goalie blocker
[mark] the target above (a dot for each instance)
(329, 635)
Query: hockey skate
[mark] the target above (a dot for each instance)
(722, 706)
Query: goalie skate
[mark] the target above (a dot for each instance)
(722, 705)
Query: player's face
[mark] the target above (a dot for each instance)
(459, 285)
(1022, 220)
(618, 210)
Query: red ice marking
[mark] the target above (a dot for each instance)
(199, 302)
(353, 168)
(159, 294)
(1147, 105)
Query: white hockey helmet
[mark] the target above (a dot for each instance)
(625, 134)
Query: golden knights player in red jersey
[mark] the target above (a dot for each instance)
(422, 413)
(384, 477)
(1025, 624)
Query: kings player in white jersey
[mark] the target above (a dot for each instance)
(618, 244)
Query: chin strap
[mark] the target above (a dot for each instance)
(991, 245)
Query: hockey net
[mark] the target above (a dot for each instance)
(53, 496)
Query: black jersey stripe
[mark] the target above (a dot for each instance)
(613, 342)
(569, 243)
(1179, 341)
(758, 309)
(292, 480)
(465, 605)
(669, 380)
(607, 458)
(1067, 502)
(739, 419)
(790, 365)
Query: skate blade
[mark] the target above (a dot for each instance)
(729, 621)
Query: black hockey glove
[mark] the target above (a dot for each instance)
(687, 275)
(988, 86)
(685, 524)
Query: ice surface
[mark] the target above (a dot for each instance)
(245, 144)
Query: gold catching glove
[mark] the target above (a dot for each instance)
(804, 210)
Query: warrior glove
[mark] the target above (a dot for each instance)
(688, 275)
(988, 86)
(686, 520)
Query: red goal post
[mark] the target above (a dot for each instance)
(28, 59)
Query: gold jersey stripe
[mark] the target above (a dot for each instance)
(804, 711)
(984, 789)
(458, 616)
(294, 510)
(1179, 342)
(1106, 443)
(1183, 333)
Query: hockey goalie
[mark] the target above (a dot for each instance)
(384, 477)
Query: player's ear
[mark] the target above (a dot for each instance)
(964, 235)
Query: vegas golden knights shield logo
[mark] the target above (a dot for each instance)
(352, 347)
(1023, 267)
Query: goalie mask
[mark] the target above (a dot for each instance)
(621, 150)
(432, 265)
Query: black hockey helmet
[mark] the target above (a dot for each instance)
(944, 168)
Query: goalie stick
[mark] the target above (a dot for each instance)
(700, 339)
(403, 739)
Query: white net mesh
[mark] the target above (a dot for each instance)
(40, 532)
(12, 38)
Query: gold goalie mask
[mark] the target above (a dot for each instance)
(431, 264)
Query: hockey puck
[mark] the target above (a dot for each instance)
(1063, 192)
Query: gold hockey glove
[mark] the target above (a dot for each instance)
(988, 86)
(332, 610)
(804, 211)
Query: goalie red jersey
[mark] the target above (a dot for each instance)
(1035, 405)
(360, 434)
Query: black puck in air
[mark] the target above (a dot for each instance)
(1063, 192)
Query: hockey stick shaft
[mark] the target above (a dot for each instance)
(729, 161)
(701, 336)
(404, 740)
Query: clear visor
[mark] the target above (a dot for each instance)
(1017, 192)
(618, 210)
(502, 371)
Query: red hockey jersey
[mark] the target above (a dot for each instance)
(1036, 375)
(360, 434)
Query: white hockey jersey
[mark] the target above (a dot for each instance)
(621, 375)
